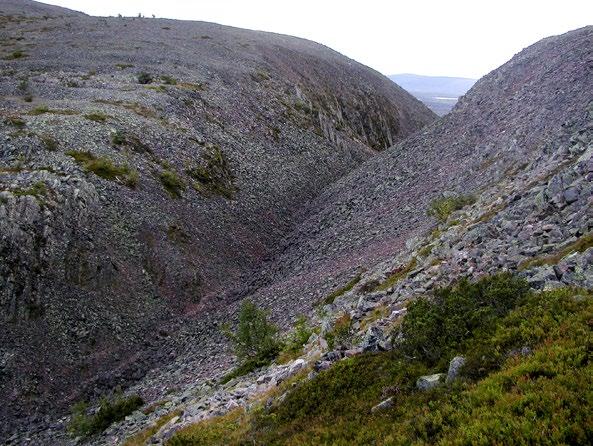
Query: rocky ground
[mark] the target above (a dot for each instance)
(297, 208)
(537, 222)
(147, 168)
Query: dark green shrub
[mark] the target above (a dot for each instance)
(110, 411)
(144, 78)
(543, 398)
(172, 183)
(434, 330)
(255, 338)
(442, 207)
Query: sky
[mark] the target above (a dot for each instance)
(440, 38)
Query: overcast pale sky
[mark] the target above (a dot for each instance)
(452, 38)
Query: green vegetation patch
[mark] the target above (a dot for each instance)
(442, 207)
(168, 80)
(341, 291)
(580, 245)
(105, 168)
(15, 121)
(37, 190)
(97, 117)
(144, 78)
(255, 340)
(110, 411)
(542, 398)
(43, 109)
(397, 275)
(141, 438)
(214, 174)
(18, 54)
(172, 183)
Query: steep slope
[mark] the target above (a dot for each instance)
(149, 165)
(523, 328)
(527, 107)
(528, 160)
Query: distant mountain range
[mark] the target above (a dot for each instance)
(439, 93)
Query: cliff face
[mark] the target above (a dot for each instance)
(146, 166)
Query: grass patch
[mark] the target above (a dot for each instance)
(97, 117)
(294, 342)
(341, 291)
(105, 168)
(172, 183)
(141, 438)
(49, 142)
(214, 175)
(580, 245)
(544, 398)
(18, 54)
(168, 80)
(37, 190)
(135, 107)
(340, 332)
(442, 207)
(397, 275)
(43, 109)
(15, 121)
(122, 138)
(110, 411)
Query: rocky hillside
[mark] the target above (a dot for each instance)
(509, 177)
(146, 166)
(146, 193)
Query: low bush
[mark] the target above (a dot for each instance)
(434, 330)
(543, 398)
(339, 335)
(110, 411)
(37, 190)
(49, 142)
(15, 121)
(442, 207)
(18, 54)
